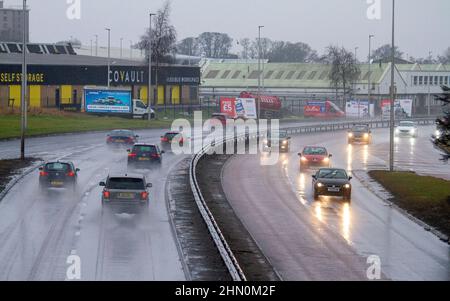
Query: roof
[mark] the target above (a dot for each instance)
(284, 75)
(62, 60)
(127, 175)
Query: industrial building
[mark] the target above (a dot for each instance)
(12, 23)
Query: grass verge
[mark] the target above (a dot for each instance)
(44, 124)
(9, 168)
(426, 198)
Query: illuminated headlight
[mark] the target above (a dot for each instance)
(366, 136)
(437, 134)
(350, 135)
(265, 141)
(347, 186)
(326, 160)
(319, 185)
(285, 142)
(397, 131)
(413, 131)
(304, 159)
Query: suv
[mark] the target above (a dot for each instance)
(144, 154)
(125, 193)
(58, 175)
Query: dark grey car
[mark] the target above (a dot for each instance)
(332, 182)
(125, 193)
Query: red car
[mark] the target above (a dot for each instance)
(172, 137)
(121, 137)
(316, 156)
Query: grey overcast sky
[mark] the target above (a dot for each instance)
(422, 25)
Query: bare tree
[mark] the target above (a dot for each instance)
(344, 70)
(445, 58)
(188, 46)
(384, 53)
(163, 39)
(215, 44)
(246, 45)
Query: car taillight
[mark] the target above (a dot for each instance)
(43, 173)
(71, 174)
(132, 155)
(109, 139)
(106, 194)
(164, 139)
(144, 195)
(156, 156)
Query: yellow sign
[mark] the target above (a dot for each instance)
(17, 77)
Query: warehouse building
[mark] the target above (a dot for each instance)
(297, 83)
(57, 77)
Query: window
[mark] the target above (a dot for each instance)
(312, 75)
(323, 75)
(225, 74)
(415, 80)
(212, 74)
(268, 74)
(431, 80)
(425, 80)
(236, 74)
(301, 75)
(441, 80)
(279, 75)
(254, 74)
(446, 79)
(290, 74)
(420, 80)
(436, 80)
(366, 77)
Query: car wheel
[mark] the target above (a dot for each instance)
(145, 117)
(316, 195)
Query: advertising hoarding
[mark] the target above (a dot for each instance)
(403, 108)
(359, 109)
(108, 101)
(238, 107)
(228, 106)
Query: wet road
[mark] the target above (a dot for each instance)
(328, 239)
(38, 232)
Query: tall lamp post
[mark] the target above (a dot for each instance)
(109, 55)
(23, 100)
(121, 47)
(369, 84)
(96, 45)
(354, 84)
(392, 119)
(259, 70)
(150, 54)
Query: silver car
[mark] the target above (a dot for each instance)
(125, 193)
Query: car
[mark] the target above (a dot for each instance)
(314, 156)
(144, 154)
(59, 174)
(283, 142)
(126, 193)
(360, 133)
(332, 182)
(172, 137)
(121, 137)
(406, 129)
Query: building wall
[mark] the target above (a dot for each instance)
(11, 25)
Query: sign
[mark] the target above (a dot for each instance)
(359, 109)
(228, 106)
(403, 108)
(246, 107)
(108, 101)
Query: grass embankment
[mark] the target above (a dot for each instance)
(9, 168)
(45, 123)
(426, 198)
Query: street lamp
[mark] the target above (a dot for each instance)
(23, 100)
(150, 53)
(259, 70)
(354, 85)
(392, 119)
(369, 89)
(96, 45)
(121, 47)
(109, 55)
(131, 49)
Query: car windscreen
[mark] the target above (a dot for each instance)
(332, 174)
(145, 149)
(62, 167)
(121, 134)
(360, 129)
(170, 136)
(320, 151)
(126, 183)
(407, 124)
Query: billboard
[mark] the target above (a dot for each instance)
(359, 109)
(238, 107)
(403, 108)
(108, 101)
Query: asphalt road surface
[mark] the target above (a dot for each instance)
(329, 239)
(38, 232)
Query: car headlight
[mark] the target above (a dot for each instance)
(319, 185)
(413, 131)
(366, 136)
(265, 141)
(397, 131)
(326, 160)
(350, 135)
(437, 134)
(304, 159)
(285, 142)
(347, 186)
